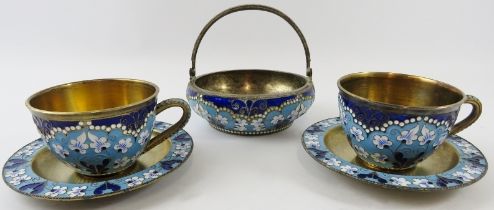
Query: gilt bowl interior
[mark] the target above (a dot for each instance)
(251, 82)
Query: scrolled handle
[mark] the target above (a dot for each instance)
(162, 106)
(471, 118)
(192, 70)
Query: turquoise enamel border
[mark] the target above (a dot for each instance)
(19, 176)
(471, 167)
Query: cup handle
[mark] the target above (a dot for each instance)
(471, 118)
(162, 106)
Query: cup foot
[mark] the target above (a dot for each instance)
(378, 168)
(251, 133)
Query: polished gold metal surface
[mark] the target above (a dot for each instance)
(91, 98)
(443, 159)
(249, 82)
(46, 165)
(396, 89)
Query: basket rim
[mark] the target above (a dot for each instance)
(307, 85)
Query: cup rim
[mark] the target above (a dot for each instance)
(390, 106)
(93, 114)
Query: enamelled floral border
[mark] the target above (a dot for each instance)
(19, 176)
(267, 119)
(471, 167)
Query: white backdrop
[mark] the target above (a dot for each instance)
(44, 43)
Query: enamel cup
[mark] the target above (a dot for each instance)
(394, 121)
(100, 127)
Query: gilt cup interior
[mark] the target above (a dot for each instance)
(248, 82)
(92, 95)
(400, 89)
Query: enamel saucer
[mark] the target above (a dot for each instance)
(456, 163)
(35, 172)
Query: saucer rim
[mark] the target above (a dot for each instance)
(387, 185)
(104, 195)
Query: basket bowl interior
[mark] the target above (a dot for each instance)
(249, 82)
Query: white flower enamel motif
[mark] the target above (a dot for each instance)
(134, 181)
(27, 151)
(55, 191)
(77, 191)
(221, 120)
(201, 111)
(181, 150)
(463, 144)
(17, 180)
(312, 143)
(381, 141)
(152, 174)
(399, 181)
(311, 136)
(297, 112)
(240, 124)
(119, 163)
(78, 144)
(143, 137)
(332, 162)
(423, 183)
(15, 172)
(123, 145)
(409, 136)
(379, 158)
(472, 169)
(470, 151)
(427, 136)
(349, 169)
(361, 152)
(357, 133)
(276, 119)
(258, 125)
(98, 144)
(463, 176)
(61, 151)
(36, 145)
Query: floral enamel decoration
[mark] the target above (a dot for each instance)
(380, 158)
(399, 181)
(97, 143)
(77, 191)
(357, 133)
(123, 145)
(409, 136)
(63, 153)
(119, 163)
(470, 168)
(143, 137)
(382, 142)
(424, 183)
(427, 136)
(276, 119)
(20, 176)
(221, 120)
(55, 191)
(134, 181)
(78, 144)
(393, 140)
(258, 125)
(240, 124)
(361, 152)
